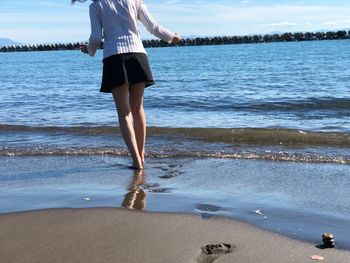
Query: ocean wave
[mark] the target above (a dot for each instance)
(236, 136)
(307, 104)
(220, 104)
(173, 153)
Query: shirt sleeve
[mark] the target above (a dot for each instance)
(152, 26)
(96, 30)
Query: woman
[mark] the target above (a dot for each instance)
(126, 71)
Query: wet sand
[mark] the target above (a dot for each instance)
(294, 198)
(120, 235)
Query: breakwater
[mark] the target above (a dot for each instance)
(200, 41)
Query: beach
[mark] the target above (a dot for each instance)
(115, 235)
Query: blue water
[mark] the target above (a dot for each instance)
(303, 85)
(283, 95)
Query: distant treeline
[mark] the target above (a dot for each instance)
(201, 41)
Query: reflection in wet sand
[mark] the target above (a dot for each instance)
(136, 197)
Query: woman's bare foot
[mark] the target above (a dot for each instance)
(133, 167)
(137, 164)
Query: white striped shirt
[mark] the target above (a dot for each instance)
(115, 21)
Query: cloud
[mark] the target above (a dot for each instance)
(330, 23)
(218, 18)
(283, 24)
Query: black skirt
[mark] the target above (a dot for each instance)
(128, 68)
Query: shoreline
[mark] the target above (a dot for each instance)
(120, 235)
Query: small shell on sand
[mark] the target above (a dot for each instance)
(317, 257)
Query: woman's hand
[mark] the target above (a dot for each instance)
(84, 49)
(177, 38)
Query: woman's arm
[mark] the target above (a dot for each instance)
(153, 27)
(96, 30)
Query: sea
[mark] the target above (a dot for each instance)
(256, 132)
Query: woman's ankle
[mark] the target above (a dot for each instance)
(138, 164)
(136, 167)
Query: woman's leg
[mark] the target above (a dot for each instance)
(138, 113)
(121, 98)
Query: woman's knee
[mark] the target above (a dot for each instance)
(136, 108)
(124, 118)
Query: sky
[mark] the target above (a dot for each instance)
(57, 21)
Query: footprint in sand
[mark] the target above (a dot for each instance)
(171, 171)
(210, 253)
(207, 211)
(207, 208)
(171, 174)
(155, 188)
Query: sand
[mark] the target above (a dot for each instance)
(120, 235)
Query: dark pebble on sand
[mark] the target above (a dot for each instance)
(328, 240)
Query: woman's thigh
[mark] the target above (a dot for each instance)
(121, 98)
(136, 92)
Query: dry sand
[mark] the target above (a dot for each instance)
(117, 235)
